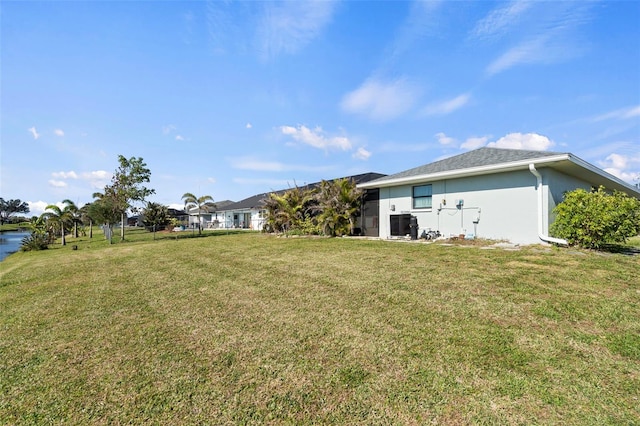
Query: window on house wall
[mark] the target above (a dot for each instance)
(422, 197)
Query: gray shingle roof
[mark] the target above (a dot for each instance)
(476, 158)
(256, 201)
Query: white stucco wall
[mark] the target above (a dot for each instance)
(560, 183)
(505, 204)
(256, 223)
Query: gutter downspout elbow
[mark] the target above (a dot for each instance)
(541, 235)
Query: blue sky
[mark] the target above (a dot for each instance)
(231, 99)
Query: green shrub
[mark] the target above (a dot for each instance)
(35, 241)
(307, 226)
(597, 218)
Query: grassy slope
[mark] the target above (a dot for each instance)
(254, 329)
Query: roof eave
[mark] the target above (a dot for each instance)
(580, 162)
(471, 171)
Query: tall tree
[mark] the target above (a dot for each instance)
(104, 210)
(204, 202)
(11, 207)
(127, 186)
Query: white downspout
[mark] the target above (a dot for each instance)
(541, 235)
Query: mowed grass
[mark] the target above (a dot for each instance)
(253, 329)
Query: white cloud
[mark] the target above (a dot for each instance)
(632, 112)
(380, 100)
(65, 175)
(36, 208)
(501, 20)
(448, 106)
(546, 34)
(177, 206)
(532, 141)
(286, 27)
(528, 52)
(624, 167)
(211, 180)
(59, 132)
(34, 132)
(619, 114)
(422, 20)
(168, 129)
(57, 183)
(98, 179)
(179, 137)
(249, 126)
(474, 142)
(316, 137)
(618, 161)
(444, 139)
(98, 174)
(361, 154)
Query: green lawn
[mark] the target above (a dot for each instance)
(14, 226)
(253, 329)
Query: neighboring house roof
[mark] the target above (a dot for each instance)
(494, 160)
(256, 201)
(219, 206)
(176, 212)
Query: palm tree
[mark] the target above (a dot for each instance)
(155, 216)
(74, 214)
(85, 216)
(289, 210)
(338, 203)
(58, 218)
(204, 202)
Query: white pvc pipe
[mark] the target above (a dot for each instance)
(541, 235)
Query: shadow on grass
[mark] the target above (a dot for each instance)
(620, 249)
(137, 236)
(206, 234)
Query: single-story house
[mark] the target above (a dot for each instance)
(489, 193)
(209, 217)
(250, 213)
(180, 215)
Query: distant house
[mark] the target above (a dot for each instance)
(209, 218)
(179, 215)
(489, 192)
(250, 214)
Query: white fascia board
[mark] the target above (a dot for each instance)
(580, 162)
(471, 171)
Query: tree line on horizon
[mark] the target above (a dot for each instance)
(328, 209)
(109, 206)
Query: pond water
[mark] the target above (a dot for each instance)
(10, 242)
